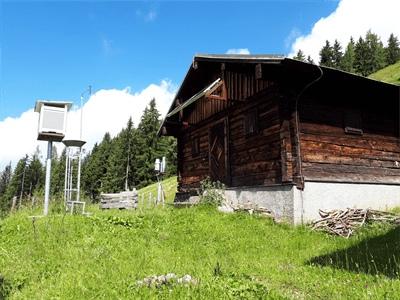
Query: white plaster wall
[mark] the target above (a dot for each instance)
(331, 196)
(279, 199)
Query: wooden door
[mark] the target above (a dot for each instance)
(219, 153)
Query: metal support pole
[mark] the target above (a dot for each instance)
(79, 175)
(48, 173)
(159, 188)
(66, 177)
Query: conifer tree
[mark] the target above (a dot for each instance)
(348, 57)
(310, 60)
(361, 58)
(300, 56)
(101, 162)
(35, 174)
(326, 55)
(377, 54)
(5, 179)
(90, 173)
(150, 146)
(337, 55)
(392, 50)
(14, 188)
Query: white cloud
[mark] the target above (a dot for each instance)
(238, 51)
(351, 18)
(106, 111)
(148, 13)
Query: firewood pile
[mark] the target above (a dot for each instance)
(344, 222)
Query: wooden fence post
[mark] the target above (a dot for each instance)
(163, 196)
(150, 200)
(141, 204)
(13, 204)
(155, 201)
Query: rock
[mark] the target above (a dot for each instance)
(194, 199)
(225, 208)
(250, 211)
(248, 205)
(264, 209)
(187, 278)
(169, 276)
(161, 279)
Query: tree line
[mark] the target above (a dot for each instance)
(115, 164)
(364, 57)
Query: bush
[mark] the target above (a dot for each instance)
(211, 193)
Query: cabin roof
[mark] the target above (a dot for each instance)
(276, 65)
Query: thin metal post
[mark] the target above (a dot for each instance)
(66, 177)
(79, 175)
(48, 173)
(159, 188)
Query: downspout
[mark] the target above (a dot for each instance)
(299, 144)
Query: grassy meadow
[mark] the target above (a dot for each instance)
(390, 74)
(232, 256)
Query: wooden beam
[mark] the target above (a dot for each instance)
(258, 71)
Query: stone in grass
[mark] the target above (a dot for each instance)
(194, 199)
(225, 208)
(161, 279)
(185, 279)
(248, 205)
(170, 275)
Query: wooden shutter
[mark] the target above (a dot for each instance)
(250, 122)
(352, 121)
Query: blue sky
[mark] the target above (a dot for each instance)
(131, 51)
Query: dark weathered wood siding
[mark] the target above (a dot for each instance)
(253, 160)
(238, 87)
(330, 154)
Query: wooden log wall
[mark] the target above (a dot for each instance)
(238, 87)
(330, 154)
(255, 160)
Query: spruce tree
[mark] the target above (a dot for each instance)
(14, 188)
(90, 174)
(300, 56)
(377, 54)
(337, 55)
(150, 146)
(361, 58)
(392, 50)
(101, 163)
(326, 55)
(348, 58)
(5, 179)
(36, 176)
(310, 60)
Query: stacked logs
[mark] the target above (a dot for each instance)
(343, 222)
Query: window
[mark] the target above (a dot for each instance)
(352, 121)
(250, 122)
(195, 147)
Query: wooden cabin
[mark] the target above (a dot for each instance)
(285, 134)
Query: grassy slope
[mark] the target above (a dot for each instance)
(390, 74)
(170, 188)
(104, 255)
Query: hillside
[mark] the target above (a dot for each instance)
(228, 256)
(390, 74)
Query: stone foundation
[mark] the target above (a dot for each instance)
(287, 203)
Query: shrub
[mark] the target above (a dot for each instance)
(211, 193)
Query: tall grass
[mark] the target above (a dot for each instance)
(233, 256)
